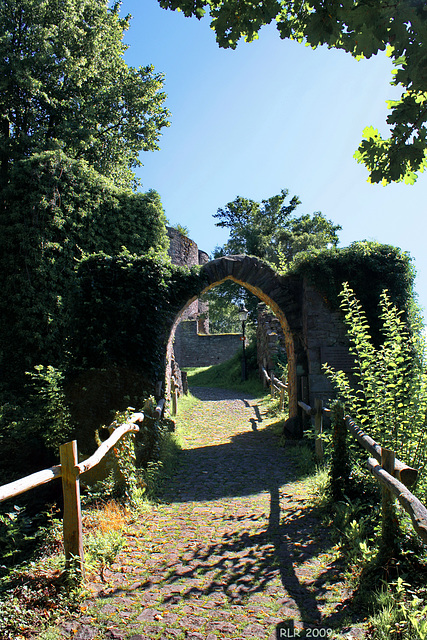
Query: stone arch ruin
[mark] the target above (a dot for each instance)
(313, 333)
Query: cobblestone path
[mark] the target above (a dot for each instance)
(233, 550)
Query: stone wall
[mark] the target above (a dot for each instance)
(194, 349)
(324, 338)
(193, 345)
(311, 333)
(325, 342)
(184, 252)
(271, 344)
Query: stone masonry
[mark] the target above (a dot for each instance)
(193, 345)
(313, 334)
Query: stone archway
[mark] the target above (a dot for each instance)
(283, 295)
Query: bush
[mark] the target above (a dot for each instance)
(389, 396)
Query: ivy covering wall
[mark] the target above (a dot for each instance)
(89, 296)
(55, 211)
(369, 268)
(125, 309)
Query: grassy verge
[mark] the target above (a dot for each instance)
(389, 587)
(228, 375)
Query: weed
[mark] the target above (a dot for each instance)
(402, 614)
(50, 634)
(101, 549)
(303, 456)
(318, 483)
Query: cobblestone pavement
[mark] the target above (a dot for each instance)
(233, 551)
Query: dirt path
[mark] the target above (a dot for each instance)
(233, 551)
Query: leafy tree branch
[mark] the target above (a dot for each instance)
(362, 28)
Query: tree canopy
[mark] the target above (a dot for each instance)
(269, 230)
(64, 85)
(361, 28)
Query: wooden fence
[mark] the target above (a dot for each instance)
(393, 475)
(275, 385)
(70, 471)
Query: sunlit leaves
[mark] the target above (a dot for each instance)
(65, 85)
(389, 395)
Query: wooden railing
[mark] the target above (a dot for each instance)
(318, 411)
(174, 396)
(70, 471)
(393, 475)
(275, 385)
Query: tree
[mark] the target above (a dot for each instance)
(361, 28)
(65, 85)
(269, 231)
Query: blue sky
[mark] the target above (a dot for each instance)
(272, 114)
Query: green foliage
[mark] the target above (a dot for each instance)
(124, 452)
(383, 266)
(402, 613)
(126, 307)
(224, 304)
(340, 464)
(353, 524)
(59, 209)
(269, 231)
(102, 548)
(50, 414)
(23, 535)
(183, 230)
(389, 397)
(15, 526)
(362, 29)
(65, 85)
(32, 428)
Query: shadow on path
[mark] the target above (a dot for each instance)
(235, 548)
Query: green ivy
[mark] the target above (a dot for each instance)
(57, 210)
(369, 268)
(125, 310)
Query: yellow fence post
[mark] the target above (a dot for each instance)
(72, 522)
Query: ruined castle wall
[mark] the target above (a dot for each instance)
(326, 342)
(193, 349)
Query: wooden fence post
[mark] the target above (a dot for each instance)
(174, 398)
(389, 526)
(282, 399)
(184, 378)
(264, 379)
(272, 390)
(318, 428)
(340, 468)
(72, 522)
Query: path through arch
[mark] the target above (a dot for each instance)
(235, 548)
(283, 295)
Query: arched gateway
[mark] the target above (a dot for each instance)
(311, 330)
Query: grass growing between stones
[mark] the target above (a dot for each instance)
(238, 540)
